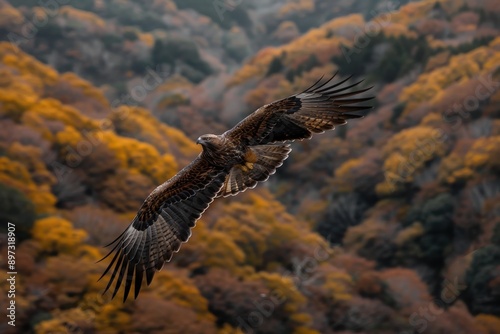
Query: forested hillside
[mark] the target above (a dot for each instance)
(390, 224)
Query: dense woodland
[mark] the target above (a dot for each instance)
(390, 224)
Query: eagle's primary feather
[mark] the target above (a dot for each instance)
(230, 163)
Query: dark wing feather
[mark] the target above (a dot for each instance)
(320, 107)
(163, 222)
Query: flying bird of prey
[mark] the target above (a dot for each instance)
(229, 163)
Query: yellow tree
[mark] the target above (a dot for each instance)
(406, 153)
(57, 235)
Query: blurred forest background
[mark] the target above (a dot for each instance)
(390, 224)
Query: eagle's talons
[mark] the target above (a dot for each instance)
(246, 167)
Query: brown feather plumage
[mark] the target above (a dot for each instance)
(230, 163)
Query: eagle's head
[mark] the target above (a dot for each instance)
(210, 142)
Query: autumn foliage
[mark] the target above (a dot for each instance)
(362, 230)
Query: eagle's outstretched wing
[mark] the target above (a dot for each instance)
(318, 108)
(166, 217)
(267, 130)
(163, 222)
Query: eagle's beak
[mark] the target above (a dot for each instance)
(198, 141)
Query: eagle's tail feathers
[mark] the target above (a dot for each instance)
(261, 161)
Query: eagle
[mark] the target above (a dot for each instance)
(229, 164)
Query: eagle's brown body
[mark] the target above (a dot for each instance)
(230, 163)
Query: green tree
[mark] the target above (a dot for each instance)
(481, 280)
(435, 215)
(276, 66)
(17, 209)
